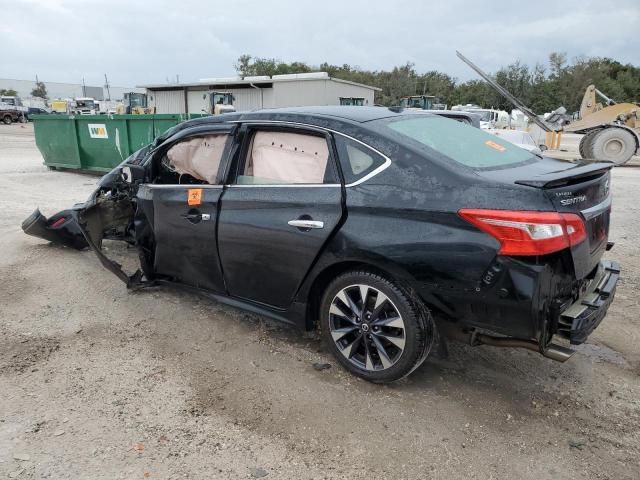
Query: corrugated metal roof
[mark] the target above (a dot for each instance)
(214, 82)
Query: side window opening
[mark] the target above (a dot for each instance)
(356, 159)
(278, 157)
(193, 160)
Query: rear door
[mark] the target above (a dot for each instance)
(185, 213)
(283, 202)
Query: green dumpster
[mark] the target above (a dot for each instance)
(97, 142)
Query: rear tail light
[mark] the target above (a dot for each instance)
(528, 233)
(58, 222)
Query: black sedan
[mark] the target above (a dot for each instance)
(386, 229)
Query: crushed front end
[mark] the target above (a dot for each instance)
(109, 213)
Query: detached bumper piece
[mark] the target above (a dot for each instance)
(62, 228)
(65, 228)
(582, 317)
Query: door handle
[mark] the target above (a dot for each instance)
(308, 224)
(196, 217)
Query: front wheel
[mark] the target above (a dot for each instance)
(614, 145)
(375, 328)
(7, 119)
(585, 144)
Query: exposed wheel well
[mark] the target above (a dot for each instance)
(325, 277)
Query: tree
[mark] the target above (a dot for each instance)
(542, 88)
(438, 84)
(557, 61)
(8, 92)
(40, 90)
(243, 65)
(247, 65)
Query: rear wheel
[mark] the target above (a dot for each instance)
(613, 144)
(374, 328)
(7, 119)
(585, 144)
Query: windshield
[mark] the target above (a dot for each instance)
(222, 99)
(485, 116)
(137, 100)
(85, 103)
(459, 142)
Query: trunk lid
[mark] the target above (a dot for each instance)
(581, 188)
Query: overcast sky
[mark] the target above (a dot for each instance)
(136, 42)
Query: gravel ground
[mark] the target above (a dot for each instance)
(101, 383)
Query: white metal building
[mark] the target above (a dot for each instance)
(252, 93)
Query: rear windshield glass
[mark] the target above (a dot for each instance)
(462, 143)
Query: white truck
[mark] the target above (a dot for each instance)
(12, 110)
(11, 102)
(489, 117)
(84, 106)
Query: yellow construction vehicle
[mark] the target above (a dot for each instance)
(611, 132)
(134, 103)
(221, 102)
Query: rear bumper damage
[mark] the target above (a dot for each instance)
(549, 306)
(583, 316)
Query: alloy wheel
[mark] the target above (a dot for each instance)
(367, 327)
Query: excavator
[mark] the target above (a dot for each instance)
(611, 131)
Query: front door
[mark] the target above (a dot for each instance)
(185, 234)
(280, 209)
(183, 206)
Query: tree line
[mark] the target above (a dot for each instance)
(40, 90)
(543, 87)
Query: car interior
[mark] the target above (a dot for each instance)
(195, 160)
(274, 157)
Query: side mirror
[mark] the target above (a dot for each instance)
(132, 173)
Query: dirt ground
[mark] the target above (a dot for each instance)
(100, 383)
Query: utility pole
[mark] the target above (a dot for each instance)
(84, 88)
(106, 85)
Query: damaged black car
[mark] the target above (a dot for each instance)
(386, 229)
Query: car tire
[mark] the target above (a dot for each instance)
(613, 144)
(585, 144)
(385, 342)
(7, 119)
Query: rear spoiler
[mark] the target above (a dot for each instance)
(568, 176)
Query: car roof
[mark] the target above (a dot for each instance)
(352, 113)
(314, 115)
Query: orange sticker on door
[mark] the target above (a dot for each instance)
(497, 146)
(194, 196)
